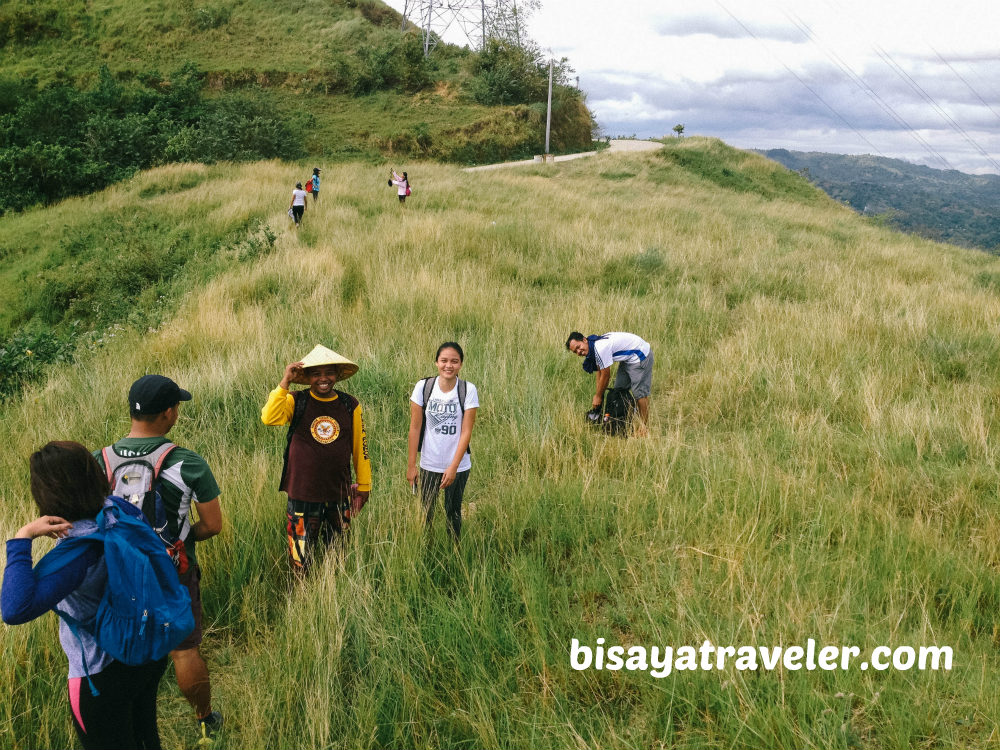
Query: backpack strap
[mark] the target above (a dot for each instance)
(300, 399)
(164, 451)
(350, 403)
(75, 626)
(297, 412)
(428, 389)
(65, 553)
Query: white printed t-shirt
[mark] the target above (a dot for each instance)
(444, 426)
(619, 347)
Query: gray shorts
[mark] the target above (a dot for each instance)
(637, 376)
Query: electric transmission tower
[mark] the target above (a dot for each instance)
(479, 20)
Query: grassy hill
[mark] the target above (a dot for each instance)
(949, 206)
(821, 463)
(91, 92)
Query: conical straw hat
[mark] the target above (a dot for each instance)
(320, 355)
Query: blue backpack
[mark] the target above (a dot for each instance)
(145, 612)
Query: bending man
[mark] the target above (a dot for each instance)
(635, 368)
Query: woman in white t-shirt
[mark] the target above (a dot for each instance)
(298, 206)
(442, 413)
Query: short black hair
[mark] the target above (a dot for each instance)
(575, 336)
(148, 418)
(67, 481)
(450, 345)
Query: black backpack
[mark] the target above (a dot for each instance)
(616, 416)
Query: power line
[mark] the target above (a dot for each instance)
(864, 86)
(900, 71)
(797, 77)
(967, 84)
(920, 91)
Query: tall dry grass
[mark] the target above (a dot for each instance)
(820, 463)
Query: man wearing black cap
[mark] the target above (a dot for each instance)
(183, 479)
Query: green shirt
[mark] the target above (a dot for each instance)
(184, 479)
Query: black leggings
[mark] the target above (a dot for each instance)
(430, 486)
(123, 715)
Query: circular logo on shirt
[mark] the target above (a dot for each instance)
(325, 429)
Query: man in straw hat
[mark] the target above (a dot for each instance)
(325, 434)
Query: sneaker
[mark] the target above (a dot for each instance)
(209, 727)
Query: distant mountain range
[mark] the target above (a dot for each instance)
(950, 206)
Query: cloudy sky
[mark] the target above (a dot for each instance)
(909, 79)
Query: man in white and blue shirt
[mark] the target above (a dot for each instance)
(635, 364)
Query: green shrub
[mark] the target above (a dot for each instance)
(31, 22)
(211, 17)
(239, 126)
(24, 356)
(508, 74)
(391, 61)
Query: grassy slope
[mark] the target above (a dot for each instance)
(289, 47)
(127, 36)
(821, 463)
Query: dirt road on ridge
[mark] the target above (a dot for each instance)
(616, 146)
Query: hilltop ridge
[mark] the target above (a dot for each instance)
(820, 464)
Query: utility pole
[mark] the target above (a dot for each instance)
(548, 112)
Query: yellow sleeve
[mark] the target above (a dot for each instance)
(279, 408)
(362, 465)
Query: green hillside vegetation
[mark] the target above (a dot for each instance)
(949, 206)
(91, 92)
(821, 461)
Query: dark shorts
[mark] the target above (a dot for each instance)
(192, 580)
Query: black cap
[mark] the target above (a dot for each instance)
(153, 394)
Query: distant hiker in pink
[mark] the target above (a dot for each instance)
(402, 184)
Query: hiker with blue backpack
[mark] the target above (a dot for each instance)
(442, 414)
(108, 578)
(166, 481)
(635, 366)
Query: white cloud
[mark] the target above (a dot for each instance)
(787, 72)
